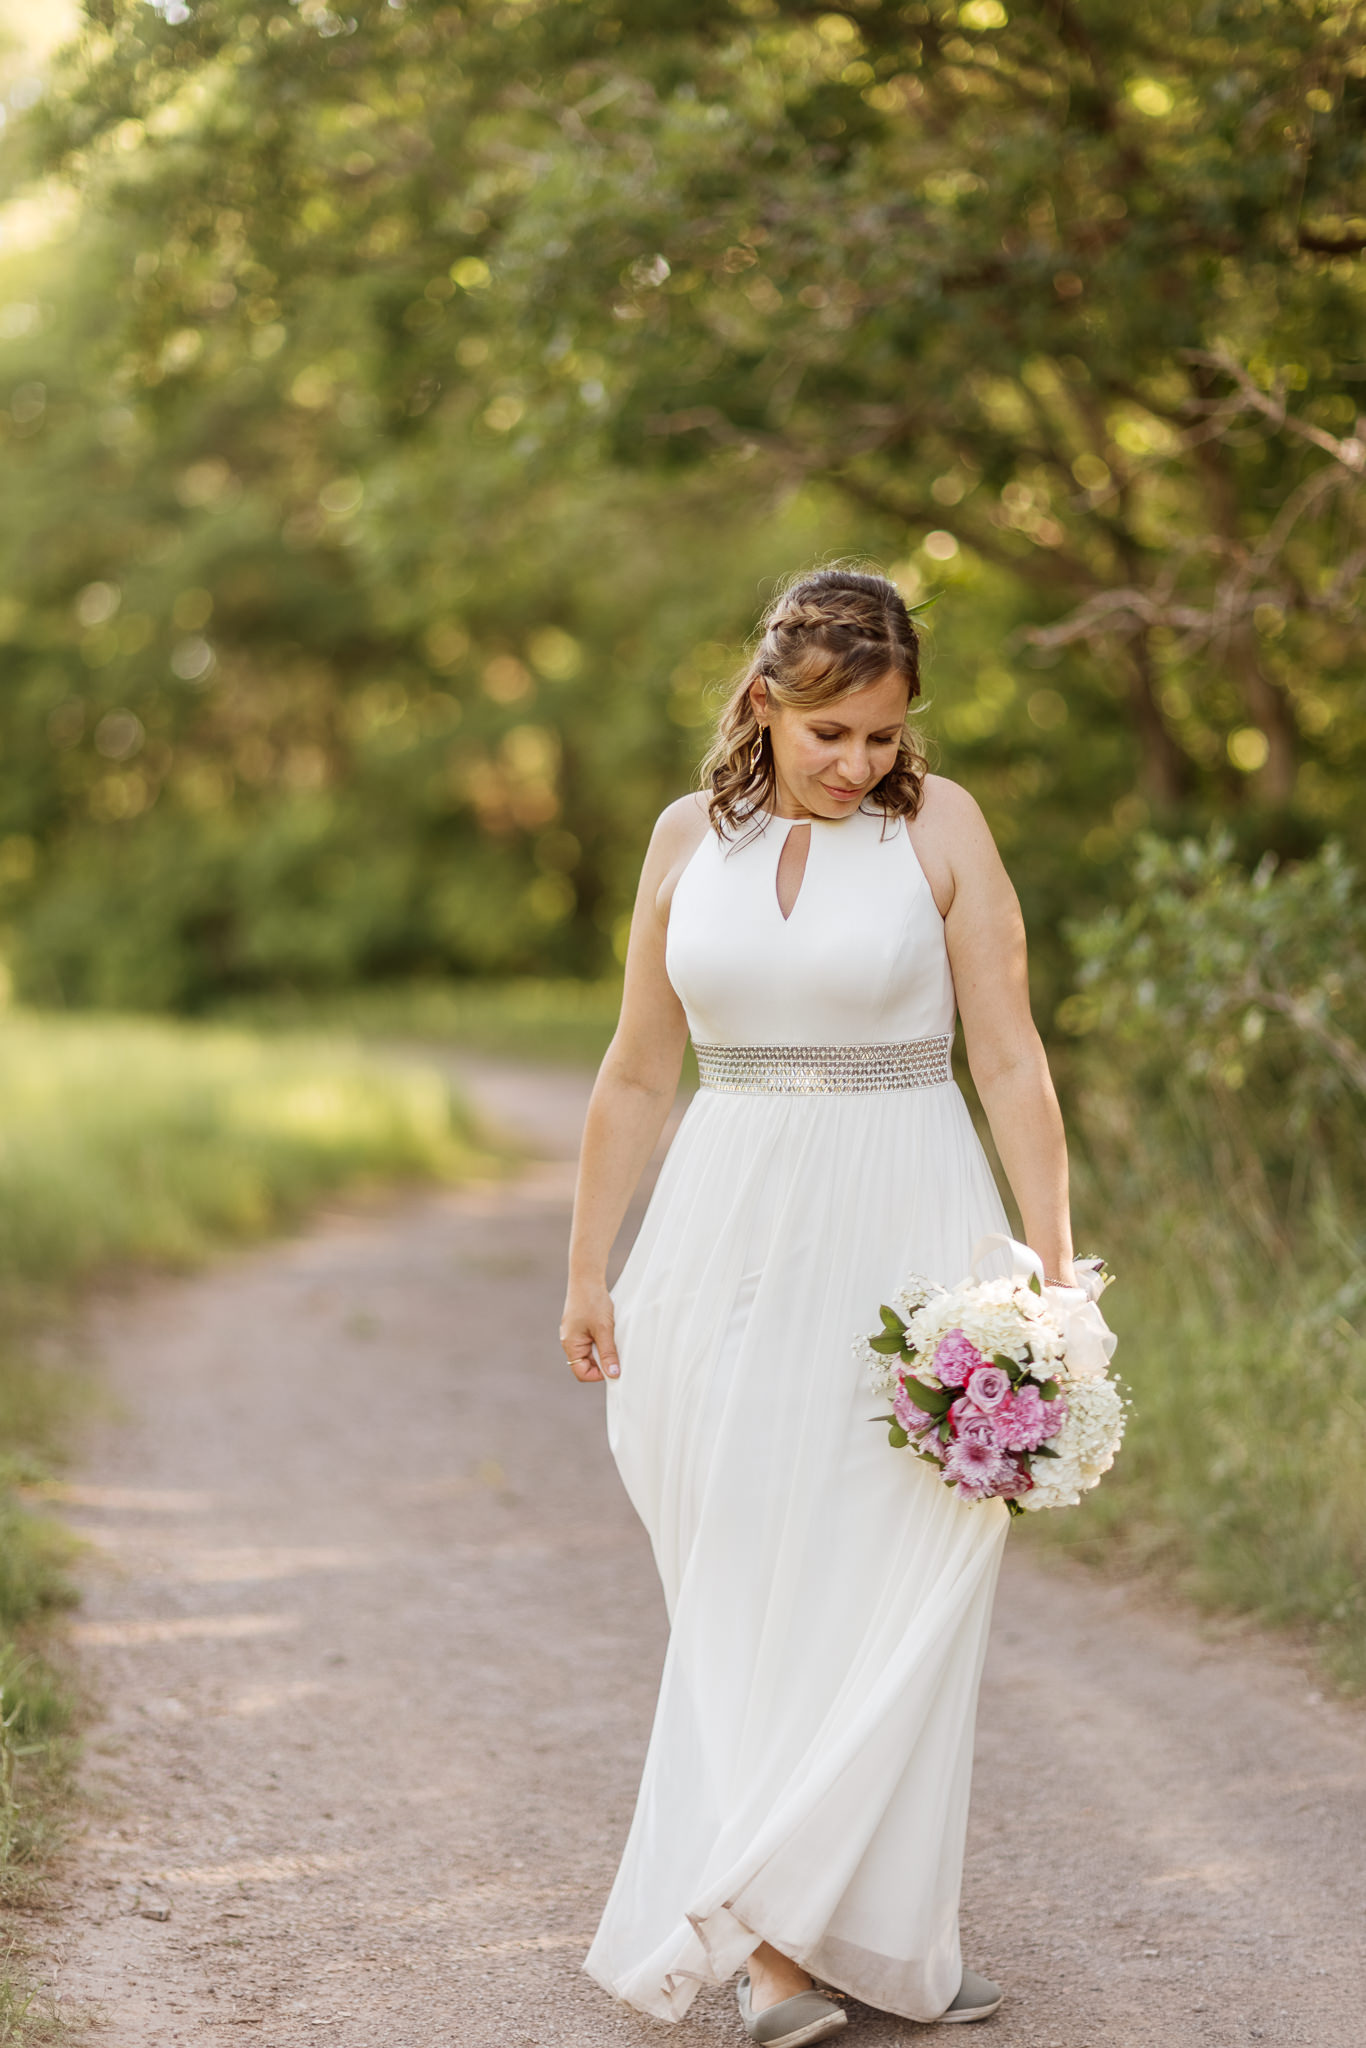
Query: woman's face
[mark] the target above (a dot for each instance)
(827, 760)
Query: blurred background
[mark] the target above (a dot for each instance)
(407, 408)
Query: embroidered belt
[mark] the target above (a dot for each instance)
(824, 1069)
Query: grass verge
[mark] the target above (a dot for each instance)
(1242, 1482)
(564, 1022)
(138, 1141)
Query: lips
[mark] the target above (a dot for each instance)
(841, 795)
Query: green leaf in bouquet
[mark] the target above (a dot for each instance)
(897, 1437)
(945, 1431)
(1009, 1366)
(1044, 1451)
(891, 1320)
(889, 1344)
(1049, 1391)
(934, 1400)
(1014, 1508)
(1035, 1285)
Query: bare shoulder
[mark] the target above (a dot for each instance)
(679, 830)
(952, 839)
(947, 807)
(681, 825)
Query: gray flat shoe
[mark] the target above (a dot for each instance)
(793, 2021)
(978, 1998)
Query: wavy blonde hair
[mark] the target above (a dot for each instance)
(828, 634)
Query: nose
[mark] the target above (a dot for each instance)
(854, 764)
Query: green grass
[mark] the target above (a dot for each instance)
(130, 1141)
(1242, 1481)
(565, 1022)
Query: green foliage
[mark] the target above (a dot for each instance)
(34, 1555)
(1233, 1006)
(1218, 1106)
(425, 398)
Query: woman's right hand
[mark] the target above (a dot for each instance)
(588, 1334)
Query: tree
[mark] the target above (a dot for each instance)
(407, 339)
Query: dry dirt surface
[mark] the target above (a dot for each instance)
(377, 1639)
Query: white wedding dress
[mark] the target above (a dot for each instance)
(808, 1773)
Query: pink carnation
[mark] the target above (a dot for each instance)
(955, 1356)
(1025, 1421)
(1055, 1414)
(1020, 1420)
(978, 1428)
(988, 1386)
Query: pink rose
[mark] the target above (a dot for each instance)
(978, 1428)
(959, 1411)
(988, 1386)
(954, 1358)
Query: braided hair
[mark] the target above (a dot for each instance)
(826, 635)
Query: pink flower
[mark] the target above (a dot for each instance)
(1025, 1421)
(988, 1386)
(978, 1428)
(954, 1358)
(959, 1411)
(975, 1467)
(1020, 1420)
(911, 1418)
(1055, 1414)
(1015, 1482)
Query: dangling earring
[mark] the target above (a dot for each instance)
(756, 753)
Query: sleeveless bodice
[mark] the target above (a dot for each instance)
(861, 959)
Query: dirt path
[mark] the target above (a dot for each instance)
(379, 1637)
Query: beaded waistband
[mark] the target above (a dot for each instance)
(824, 1069)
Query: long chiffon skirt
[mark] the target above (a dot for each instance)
(808, 1773)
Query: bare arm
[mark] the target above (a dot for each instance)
(986, 943)
(631, 1098)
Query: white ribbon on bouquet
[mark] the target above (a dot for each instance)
(1089, 1339)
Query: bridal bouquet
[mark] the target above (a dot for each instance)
(1002, 1384)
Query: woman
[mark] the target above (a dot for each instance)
(811, 918)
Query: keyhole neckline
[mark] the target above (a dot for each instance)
(788, 914)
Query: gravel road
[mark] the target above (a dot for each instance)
(378, 1637)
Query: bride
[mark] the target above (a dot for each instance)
(814, 918)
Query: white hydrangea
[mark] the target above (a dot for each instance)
(1086, 1446)
(995, 1315)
